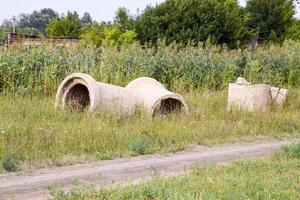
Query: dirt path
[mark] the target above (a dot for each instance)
(35, 186)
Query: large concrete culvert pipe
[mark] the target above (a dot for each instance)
(154, 97)
(82, 91)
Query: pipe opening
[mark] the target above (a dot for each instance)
(78, 98)
(168, 106)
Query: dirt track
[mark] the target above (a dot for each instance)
(35, 186)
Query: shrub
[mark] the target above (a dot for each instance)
(92, 34)
(65, 26)
(190, 20)
(141, 145)
(11, 161)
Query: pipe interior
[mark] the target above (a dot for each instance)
(78, 97)
(168, 106)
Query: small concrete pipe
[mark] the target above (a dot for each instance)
(81, 90)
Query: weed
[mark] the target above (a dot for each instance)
(11, 161)
(292, 151)
(39, 132)
(141, 144)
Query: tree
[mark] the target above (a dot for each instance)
(192, 20)
(270, 19)
(7, 23)
(37, 19)
(97, 34)
(127, 37)
(113, 35)
(293, 31)
(65, 26)
(124, 20)
(86, 19)
(92, 34)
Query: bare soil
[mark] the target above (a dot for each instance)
(35, 185)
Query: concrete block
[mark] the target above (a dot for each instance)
(243, 95)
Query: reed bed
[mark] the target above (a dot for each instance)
(39, 70)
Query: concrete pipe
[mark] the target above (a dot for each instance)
(154, 97)
(81, 91)
(246, 96)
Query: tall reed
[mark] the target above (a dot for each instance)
(39, 70)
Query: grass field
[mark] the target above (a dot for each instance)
(36, 135)
(274, 178)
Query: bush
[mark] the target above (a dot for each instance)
(92, 34)
(11, 161)
(141, 145)
(65, 26)
(190, 20)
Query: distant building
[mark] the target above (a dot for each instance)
(31, 40)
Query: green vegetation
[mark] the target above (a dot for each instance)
(41, 135)
(92, 35)
(220, 21)
(292, 151)
(10, 161)
(180, 49)
(184, 21)
(39, 70)
(31, 24)
(274, 178)
(37, 19)
(270, 19)
(124, 19)
(100, 35)
(68, 26)
(3, 31)
(294, 30)
(31, 127)
(113, 35)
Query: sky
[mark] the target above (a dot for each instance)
(99, 10)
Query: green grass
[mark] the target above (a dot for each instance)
(38, 135)
(263, 179)
(41, 136)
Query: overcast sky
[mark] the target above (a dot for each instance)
(99, 10)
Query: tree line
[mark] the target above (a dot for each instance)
(181, 21)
